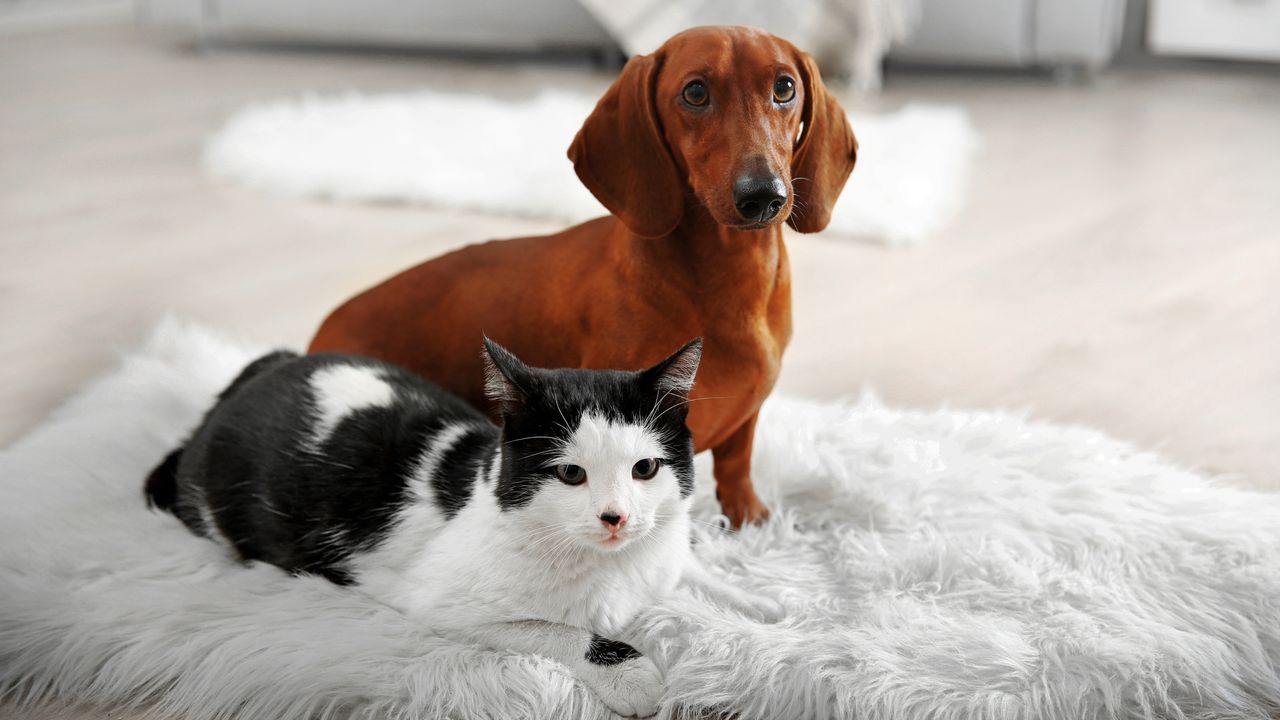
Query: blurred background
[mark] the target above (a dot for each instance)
(1070, 207)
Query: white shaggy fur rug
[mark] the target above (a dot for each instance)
(508, 157)
(933, 565)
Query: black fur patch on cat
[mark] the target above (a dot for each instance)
(277, 493)
(603, 651)
(454, 481)
(161, 488)
(545, 400)
(162, 484)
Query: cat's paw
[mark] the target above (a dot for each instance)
(632, 688)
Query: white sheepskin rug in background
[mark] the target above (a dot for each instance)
(503, 156)
(942, 565)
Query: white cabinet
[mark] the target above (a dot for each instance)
(1063, 33)
(1240, 29)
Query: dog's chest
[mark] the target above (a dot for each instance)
(746, 362)
(742, 357)
(738, 372)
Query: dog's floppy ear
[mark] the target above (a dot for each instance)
(825, 154)
(622, 158)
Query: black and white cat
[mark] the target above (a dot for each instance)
(546, 536)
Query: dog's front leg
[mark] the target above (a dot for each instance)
(737, 497)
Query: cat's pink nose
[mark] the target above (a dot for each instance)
(612, 520)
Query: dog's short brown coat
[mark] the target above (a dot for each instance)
(676, 259)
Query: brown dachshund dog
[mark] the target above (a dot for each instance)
(701, 151)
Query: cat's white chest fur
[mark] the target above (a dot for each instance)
(483, 566)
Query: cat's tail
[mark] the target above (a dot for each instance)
(162, 484)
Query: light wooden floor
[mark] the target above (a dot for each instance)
(1118, 264)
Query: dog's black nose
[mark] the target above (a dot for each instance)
(759, 197)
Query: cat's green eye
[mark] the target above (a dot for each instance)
(571, 474)
(645, 469)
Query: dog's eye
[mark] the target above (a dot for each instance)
(784, 90)
(645, 469)
(695, 93)
(571, 474)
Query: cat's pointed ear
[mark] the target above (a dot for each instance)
(673, 378)
(506, 379)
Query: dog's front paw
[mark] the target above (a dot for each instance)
(742, 507)
(632, 688)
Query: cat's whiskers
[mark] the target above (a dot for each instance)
(564, 420)
(560, 551)
(541, 532)
(544, 530)
(541, 544)
(531, 437)
(548, 451)
(711, 525)
(683, 403)
(268, 506)
(544, 549)
(708, 524)
(649, 418)
(546, 533)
